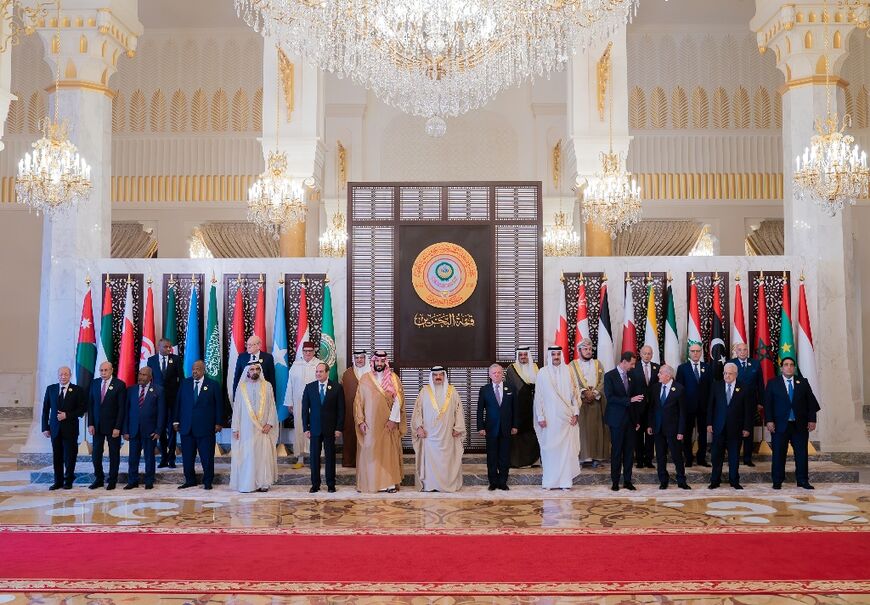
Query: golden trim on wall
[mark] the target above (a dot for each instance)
(710, 186)
(341, 161)
(603, 72)
(287, 69)
(557, 164)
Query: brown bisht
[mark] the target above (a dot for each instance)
(379, 451)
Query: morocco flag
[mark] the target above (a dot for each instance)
(127, 354)
(762, 336)
(805, 348)
(86, 348)
(581, 330)
(237, 340)
(560, 339)
(694, 333)
(605, 334)
(147, 348)
(629, 332)
(717, 337)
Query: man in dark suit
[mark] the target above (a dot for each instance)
(166, 373)
(729, 413)
(497, 421)
(106, 410)
(624, 400)
(198, 417)
(146, 413)
(749, 377)
(695, 377)
(646, 374)
(323, 421)
(790, 409)
(267, 362)
(667, 418)
(62, 406)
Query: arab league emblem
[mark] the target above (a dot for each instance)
(444, 275)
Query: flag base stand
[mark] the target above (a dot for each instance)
(125, 449)
(282, 450)
(764, 449)
(217, 450)
(811, 449)
(84, 448)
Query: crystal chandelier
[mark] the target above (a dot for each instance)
(561, 239)
(832, 171)
(436, 58)
(54, 177)
(276, 202)
(333, 242)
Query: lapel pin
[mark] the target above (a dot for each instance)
(329, 387)
(204, 388)
(111, 387)
(797, 381)
(151, 390)
(737, 390)
(673, 389)
(170, 360)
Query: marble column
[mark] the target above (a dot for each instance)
(6, 96)
(93, 36)
(795, 32)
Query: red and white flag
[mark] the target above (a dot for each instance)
(694, 331)
(581, 330)
(147, 348)
(127, 354)
(237, 339)
(302, 333)
(738, 324)
(260, 318)
(560, 338)
(629, 330)
(806, 352)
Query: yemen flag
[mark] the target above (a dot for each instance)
(146, 350)
(651, 331)
(106, 352)
(605, 334)
(127, 354)
(717, 337)
(762, 335)
(302, 334)
(786, 331)
(191, 338)
(805, 348)
(694, 332)
(86, 347)
(327, 336)
(170, 325)
(212, 338)
(629, 332)
(672, 341)
(581, 330)
(560, 338)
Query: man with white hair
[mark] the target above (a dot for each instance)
(520, 377)
(254, 465)
(254, 344)
(666, 422)
(588, 373)
(302, 372)
(749, 376)
(729, 414)
(556, 412)
(438, 430)
(349, 383)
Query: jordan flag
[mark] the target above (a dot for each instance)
(738, 324)
(805, 348)
(717, 336)
(260, 317)
(762, 335)
(605, 334)
(694, 332)
(581, 330)
(302, 333)
(237, 338)
(147, 348)
(560, 339)
(127, 353)
(86, 347)
(629, 332)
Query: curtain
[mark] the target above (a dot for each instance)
(767, 240)
(237, 240)
(132, 240)
(658, 238)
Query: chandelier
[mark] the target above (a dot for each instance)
(333, 242)
(275, 201)
(436, 58)
(832, 171)
(561, 239)
(54, 177)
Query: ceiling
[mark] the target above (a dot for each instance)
(188, 14)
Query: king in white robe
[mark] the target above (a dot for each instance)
(556, 406)
(438, 429)
(254, 465)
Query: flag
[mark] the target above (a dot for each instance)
(805, 348)
(651, 332)
(260, 317)
(629, 333)
(560, 338)
(279, 352)
(127, 353)
(237, 339)
(147, 348)
(762, 336)
(694, 334)
(302, 334)
(191, 338)
(717, 335)
(605, 334)
(581, 329)
(212, 338)
(738, 325)
(86, 347)
(672, 341)
(106, 351)
(170, 324)
(327, 335)
(786, 331)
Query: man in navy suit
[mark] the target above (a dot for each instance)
(146, 413)
(254, 354)
(166, 373)
(62, 406)
(729, 412)
(106, 410)
(696, 378)
(198, 417)
(666, 418)
(790, 408)
(323, 421)
(497, 421)
(645, 373)
(622, 414)
(749, 377)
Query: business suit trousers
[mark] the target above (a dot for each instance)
(748, 447)
(498, 458)
(621, 452)
(695, 419)
(664, 443)
(328, 443)
(114, 445)
(721, 441)
(167, 439)
(137, 443)
(204, 446)
(64, 450)
(798, 439)
(643, 444)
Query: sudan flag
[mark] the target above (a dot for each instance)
(717, 338)
(86, 347)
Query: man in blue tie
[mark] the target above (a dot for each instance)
(496, 422)
(666, 421)
(790, 408)
(323, 421)
(166, 373)
(729, 412)
(199, 416)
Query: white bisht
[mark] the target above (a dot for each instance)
(556, 401)
(255, 461)
(438, 410)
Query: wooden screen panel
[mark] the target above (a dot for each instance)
(371, 203)
(117, 282)
(593, 283)
(419, 203)
(704, 284)
(774, 283)
(639, 293)
(518, 303)
(517, 203)
(468, 203)
(314, 292)
(371, 291)
(183, 282)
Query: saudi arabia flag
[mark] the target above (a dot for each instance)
(212, 339)
(327, 335)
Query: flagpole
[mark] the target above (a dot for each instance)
(85, 446)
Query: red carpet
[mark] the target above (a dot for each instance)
(741, 562)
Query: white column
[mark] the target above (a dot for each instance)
(6, 96)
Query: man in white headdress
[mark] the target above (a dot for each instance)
(521, 376)
(254, 464)
(438, 429)
(556, 412)
(302, 372)
(588, 373)
(349, 383)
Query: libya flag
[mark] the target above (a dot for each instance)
(86, 347)
(170, 325)
(786, 332)
(327, 336)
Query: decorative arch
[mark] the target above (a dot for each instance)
(137, 111)
(761, 112)
(239, 111)
(220, 112)
(178, 112)
(199, 111)
(741, 111)
(158, 112)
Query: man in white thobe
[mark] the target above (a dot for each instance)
(556, 412)
(254, 465)
(438, 427)
(302, 372)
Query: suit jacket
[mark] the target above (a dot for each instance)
(323, 418)
(73, 404)
(148, 419)
(697, 391)
(493, 419)
(668, 418)
(198, 416)
(169, 381)
(777, 404)
(751, 379)
(109, 415)
(266, 360)
(619, 408)
(734, 417)
(650, 390)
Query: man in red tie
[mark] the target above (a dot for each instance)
(146, 413)
(106, 411)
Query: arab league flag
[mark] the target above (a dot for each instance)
(651, 331)
(672, 341)
(786, 331)
(605, 333)
(170, 324)
(191, 338)
(106, 350)
(717, 337)
(86, 348)
(694, 332)
(213, 339)
(279, 352)
(327, 336)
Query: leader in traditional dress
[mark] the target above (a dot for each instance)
(254, 464)
(438, 429)
(302, 372)
(349, 383)
(589, 376)
(556, 412)
(520, 377)
(379, 417)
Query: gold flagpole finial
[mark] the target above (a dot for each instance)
(129, 279)
(88, 280)
(737, 277)
(692, 277)
(302, 279)
(670, 277)
(213, 277)
(603, 277)
(261, 280)
(326, 280)
(803, 277)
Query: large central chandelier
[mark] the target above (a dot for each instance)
(436, 58)
(832, 171)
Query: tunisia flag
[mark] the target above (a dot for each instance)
(582, 329)
(260, 318)
(127, 354)
(147, 348)
(738, 324)
(560, 339)
(629, 332)
(762, 336)
(302, 333)
(237, 339)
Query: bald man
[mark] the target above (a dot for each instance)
(255, 353)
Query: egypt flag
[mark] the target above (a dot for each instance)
(805, 348)
(106, 351)
(694, 332)
(762, 335)
(717, 337)
(127, 353)
(302, 333)
(147, 348)
(260, 317)
(651, 331)
(560, 339)
(237, 339)
(581, 330)
(605, 334)
(629, 332)
(86, 347)
(738, 324)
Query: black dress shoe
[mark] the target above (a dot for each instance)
(207, 487)
(683, 486)
(492, 487)
(67, 486)
(688, 465)
(615, 487)
(749, 463)
(630, 486)
(55, 486)
(331, 489)
(171, 465)
(714, 485)
(706, 464)
(805, 486)
(149, 486)
(736, 486)
(186, 485)
(313, 490)
(131, 486)
(162, 465)
(650, 465)
(777, 486)
(663, 486)
(96, 485)
(503, 488)
(110, 486)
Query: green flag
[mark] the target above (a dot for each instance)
(786, 332)
(106, 351)
(212, 340)
(170, 326)
(327, 335)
